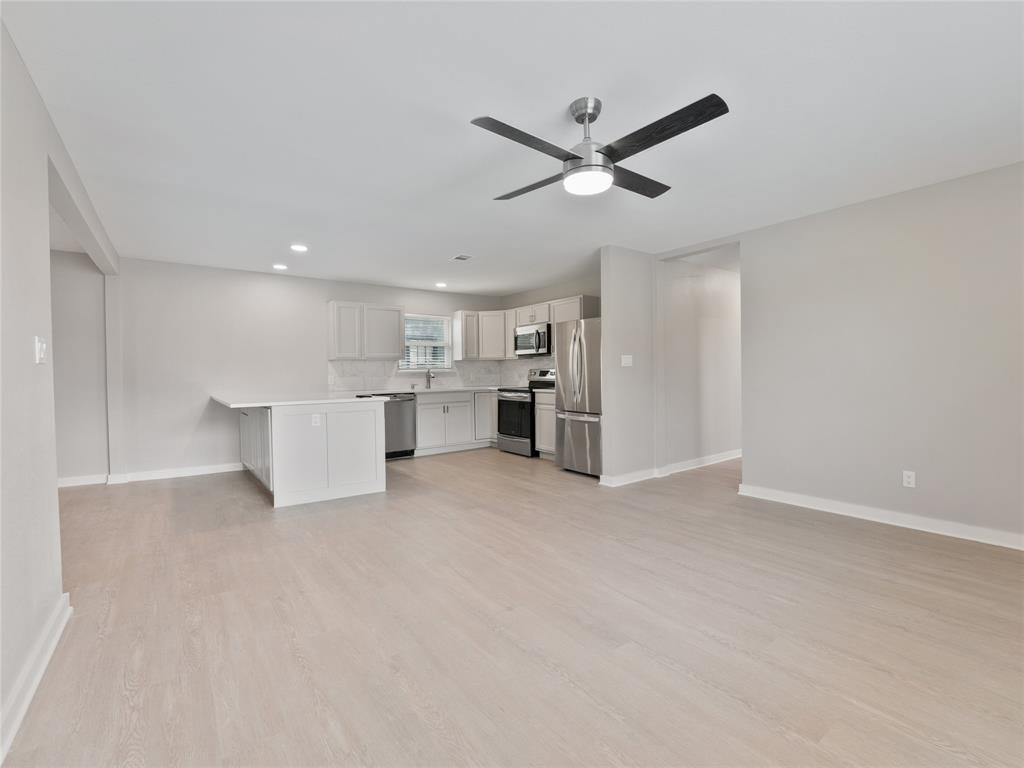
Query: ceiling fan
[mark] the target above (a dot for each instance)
(590, 168)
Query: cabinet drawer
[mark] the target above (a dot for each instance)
(544, 398)
(444, 397)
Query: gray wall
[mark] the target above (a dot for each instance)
(886, 336)
(627, 328)
(190, 331)
(79, 365)
(697, 336)
(36, 170)
(586, 284)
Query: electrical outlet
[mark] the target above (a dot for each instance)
(316, 419)
(909, 479)
(40, 350)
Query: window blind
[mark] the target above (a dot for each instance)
(427, 342)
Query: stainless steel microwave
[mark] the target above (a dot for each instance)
(533, 340)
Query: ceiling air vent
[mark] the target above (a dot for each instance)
(461, 257)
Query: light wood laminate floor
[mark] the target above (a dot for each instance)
(493, 610)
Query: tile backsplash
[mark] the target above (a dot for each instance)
(349, 375)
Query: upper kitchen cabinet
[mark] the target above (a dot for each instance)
(535, 313)
(365, 331)
(575, 308)
(383, 332)
(345, 330)
(510, 334)
(466, 335)
(492, 335)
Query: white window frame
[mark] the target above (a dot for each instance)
(447, 343)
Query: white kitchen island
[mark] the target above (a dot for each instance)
(313, 448)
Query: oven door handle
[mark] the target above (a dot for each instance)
(513, 396)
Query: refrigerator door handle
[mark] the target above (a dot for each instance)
(572, 362)
(581, 354)
(578, 417)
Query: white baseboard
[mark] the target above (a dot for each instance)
(614, 481)
(71, 482)
(164, 474)
(703, 461)
(31, 674)
(889, 517)
(455, 448)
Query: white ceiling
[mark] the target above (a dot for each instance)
(219, 133)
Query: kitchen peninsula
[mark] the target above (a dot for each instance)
(312, 448)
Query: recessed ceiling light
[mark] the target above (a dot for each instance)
(441, 285)
(281, 267)
(299, 247)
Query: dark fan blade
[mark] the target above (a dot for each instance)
(537, 185)
(634, 182)
(679, 121)
(502, 129)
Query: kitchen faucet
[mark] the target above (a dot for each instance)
(430, 375)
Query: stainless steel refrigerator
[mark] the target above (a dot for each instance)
(578, 395)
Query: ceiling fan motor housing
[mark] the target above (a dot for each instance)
(589, 157)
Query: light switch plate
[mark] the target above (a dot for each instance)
(909, 478)
(627, 361)
(316, 420)
(41, 350)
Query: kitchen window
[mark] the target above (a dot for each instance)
(428, 343)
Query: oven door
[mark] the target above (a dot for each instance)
(533, 340)
(515, 422)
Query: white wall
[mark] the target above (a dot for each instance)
(627, 394)
(190, 331)
(587, 283)
(697, 336)
(886, 336)
(78, 353)
(36, 170)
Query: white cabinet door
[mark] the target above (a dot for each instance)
(345, 330)
(458, 423)
(544, 427)
(486, 415)
(383, 332)
(492, 335)
(535, 313)
(430, 425)
(565, 309)
(466, 335)
(510, 334)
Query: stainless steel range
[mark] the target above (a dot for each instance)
(515, 412)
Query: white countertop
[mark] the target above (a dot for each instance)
(419, 390)
(248, 401)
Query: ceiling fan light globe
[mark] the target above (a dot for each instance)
(588, 180)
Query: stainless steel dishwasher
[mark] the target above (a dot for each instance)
(399, 425)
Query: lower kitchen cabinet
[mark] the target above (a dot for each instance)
(458, 424)
(544, 421)
(446, 420)
(254, 434)
(486, 415)
(430, 425)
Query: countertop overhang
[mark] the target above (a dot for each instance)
(320, 398)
